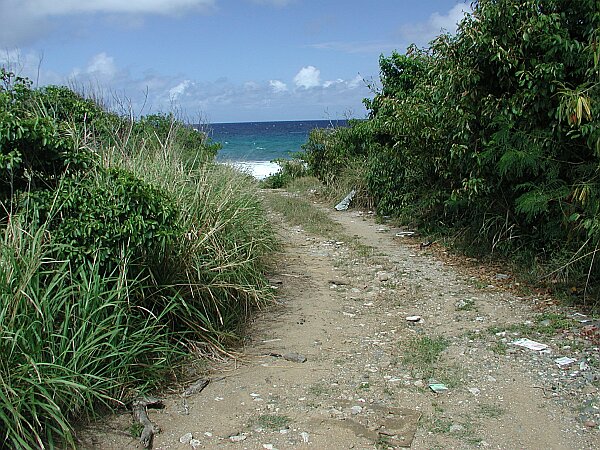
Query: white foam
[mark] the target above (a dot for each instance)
(258, 169)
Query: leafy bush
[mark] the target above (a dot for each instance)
(109, 217)
(493, 132)
(35, 149)
(289, 170)
(123, 247)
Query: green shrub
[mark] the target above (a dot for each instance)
(290, 169)
(109, 217)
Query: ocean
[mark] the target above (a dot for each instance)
(252, 146)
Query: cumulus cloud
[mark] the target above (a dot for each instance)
(69, 7)
(23, 21)
(102, 64)
(278, 86)
(179, 90)
(421, 33)
(308, 77)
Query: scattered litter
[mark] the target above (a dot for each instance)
(343, 205)
(195, 443)
(425, 244)
(438, 387)
(269, 447)
(583, 365)
(186, 438)
(271, 340)
(581, 318)
(254, 395)
(564, 361)
(531, 345)
(382, 230)
(414, 319)
(501, 276)
(305, 437)
(405, 233)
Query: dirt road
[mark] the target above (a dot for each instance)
(365, 384)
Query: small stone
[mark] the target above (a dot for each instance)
(456, 428)
(474, 391)
(382, 276)
(238, 438)
(195, 443)
(413, 319)
(356, 410)
(590, 423)
(186, 438)
(419, 384)
(305, 437)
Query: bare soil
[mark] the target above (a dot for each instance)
(343, 304)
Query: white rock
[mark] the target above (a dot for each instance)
(186, 438)
(305, 437)
(238, 438)
(356, 410)
(195, 443)
(474, 391)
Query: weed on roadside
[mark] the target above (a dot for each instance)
(273, 422)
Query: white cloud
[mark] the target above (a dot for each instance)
(356, 82)
(179, 90)
(24, 21)
(278, 86)
(69, 7)
(308, 77)
(102, 64)
(422, 33)
(329, 83)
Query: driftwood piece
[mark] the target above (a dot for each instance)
(139, 409)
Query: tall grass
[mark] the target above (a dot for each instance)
(71, 342)
(77, 340)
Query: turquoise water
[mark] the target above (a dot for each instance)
(263, 141)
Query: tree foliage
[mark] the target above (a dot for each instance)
(494, 130)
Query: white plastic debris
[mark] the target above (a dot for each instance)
(343, 205)
(413, 319)
(564, 361)
(531, 345)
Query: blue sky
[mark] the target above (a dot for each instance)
(218, 60)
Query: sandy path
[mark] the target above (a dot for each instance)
(344, 308)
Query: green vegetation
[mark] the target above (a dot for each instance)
(422, 355)
(273, 422)
(490, 135)
(123, 247)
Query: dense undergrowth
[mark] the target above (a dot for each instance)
(123, 247)
(490, 136)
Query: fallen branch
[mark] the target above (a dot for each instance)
(139, 409)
